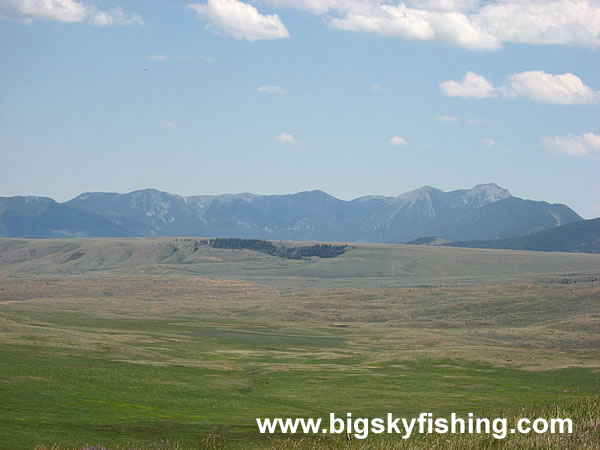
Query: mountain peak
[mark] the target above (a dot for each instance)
(492, 187)
(427, 189)
(484, 194)
(315, 192)
(423, 193)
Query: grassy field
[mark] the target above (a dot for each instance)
(136, 342)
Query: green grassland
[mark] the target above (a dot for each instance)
(133, 342)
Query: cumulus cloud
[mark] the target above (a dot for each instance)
(240, 20)
(574, 145)
(566, 89)
(421, 20)
(320, 6)
(29, 10)
(449, 119)
(543, 21)
(388, 20)
(471, 24)
(451, 27)
(537, 85)
(268, 89)
(472, 85)
(69, 11)
(286, 138)
(444, 5)
(397, 141)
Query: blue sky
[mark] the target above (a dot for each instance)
(353, 97)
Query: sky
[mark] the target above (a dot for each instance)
(352, 97)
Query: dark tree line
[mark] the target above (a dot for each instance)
(258, 245)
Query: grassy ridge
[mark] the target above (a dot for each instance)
(363, 266)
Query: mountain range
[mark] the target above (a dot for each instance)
(485, 212)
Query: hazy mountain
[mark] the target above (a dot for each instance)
(484, 212)
(581, 236)
(302, 216)
(41, 217)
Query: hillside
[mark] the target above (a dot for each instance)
(583, 237)
(483, 212)
(358, 266)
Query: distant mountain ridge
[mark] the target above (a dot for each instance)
(43, 217)
(581, 237)
(485, 212)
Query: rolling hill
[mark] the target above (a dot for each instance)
(581, 237)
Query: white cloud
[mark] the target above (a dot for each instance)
(376, 87)
(469, 24)
(449, 119)
(458, 29)
(573, 145)
(57, 10)
(423, 20)
(388, 20)
(537, 85)
(69, 11)
(158, 57)
(592, 140)
(566, 89)
(472, 85)
(451, 27)
(286, 138)
(268, 89)
(397, 141)
(489, 142)
(114, 16)
(168, 124)
(320, 6)
(444, 5)
(543, 21)
(240, 20)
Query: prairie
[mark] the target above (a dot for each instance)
(136, 342)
